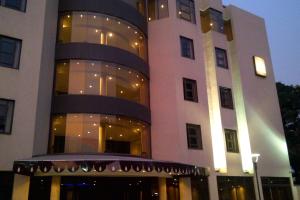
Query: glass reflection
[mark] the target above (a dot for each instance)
(93, 133)
(101, 78)
(102, 29)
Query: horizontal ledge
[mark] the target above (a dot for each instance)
(98, 52)
(92, 104)
(114, 8)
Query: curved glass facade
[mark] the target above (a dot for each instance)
(83, 77)
(102, 29)
(140, 5)
(94, 133)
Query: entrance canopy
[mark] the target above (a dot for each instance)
(103, 165)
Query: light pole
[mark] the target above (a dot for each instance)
(255, 158)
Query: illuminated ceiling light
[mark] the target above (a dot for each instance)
(92, 64)
(91, 116)
(121, 92)
(136, 44)
(106, 65)
(94, 16)
(142, 79)
(106, 117)
(110, 78)
(110, 34)
(137, 85)
(65, 63)
(77, 63)
(119, 22)
(55, 129)
(260, 66)
(211, 24)
(95, 75)
(88, 132)
(81, 91)
(68, 16)
(137, 76)
(64, 26)
(119, 68)
(94, 124)
(129, 72)
(81, 16)
(110, 138)
(162, 6)
(135, 32)
(96, 31)
(107, 19)
(128, 27)
(179, 12)
(109, 126)
(79, 135)
(119, 118)
(121, 135)
(90, 86)
(149, 18)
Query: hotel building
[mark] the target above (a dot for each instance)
(138, 100)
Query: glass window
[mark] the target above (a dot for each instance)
(101, 78)
(102, 29)
(279, 187)
(6, 115)
(94, 133)
(226, 97)
(235, 187)
(10, 49)
(221, 58)
(6, 185)
(172, 188)
(137, 4)
(186, 10)
(231, 141)
(187, 47)
(194, 136)
(14, 4)
(190, 90)
(212, 19)
(157, 9)
(199, 186)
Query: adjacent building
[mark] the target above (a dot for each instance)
(139, 100)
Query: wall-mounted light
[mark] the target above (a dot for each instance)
(260, 66)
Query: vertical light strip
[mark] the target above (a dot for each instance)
(243, 130)
(217, 134)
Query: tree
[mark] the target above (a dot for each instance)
(289, 100)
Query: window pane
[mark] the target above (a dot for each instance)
(187, 47)
(194, 136)
(226, 97)
(186, 10)
(94, 133)
(101, 78)
(137, 4)
(231, 141)
(15, 4)
(9, 52)
(190, 90)
(6, 115)
(157, 9)
(221, 58)
(102, 29)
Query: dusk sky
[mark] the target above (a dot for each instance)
(283, 26)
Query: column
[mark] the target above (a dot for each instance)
(185, 189)
(55, 188)
(162, 185)
(21, 187)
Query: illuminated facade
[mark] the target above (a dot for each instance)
(139, 100)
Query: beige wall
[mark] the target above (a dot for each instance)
(30, 85)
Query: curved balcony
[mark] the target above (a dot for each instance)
(94, 28)
(94, 133)
(130, 10)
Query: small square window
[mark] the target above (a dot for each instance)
(260, 66)
(6, 115)
(221, 58)
(194, 136)
(226, 97)
(187, 47)
(10, 49)
(14, 4)
(231, 141)
(186, 10)
(190, 90)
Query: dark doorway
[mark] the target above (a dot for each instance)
(200, 189)
(40, 188)
(276, 188)
(83, 188)
(6, 185)
(117, 147)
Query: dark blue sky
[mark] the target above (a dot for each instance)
(283, 26)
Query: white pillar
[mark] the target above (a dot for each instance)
(162, 185)
(55, 188)
(213, 186)
(21, 187)
(185, 189)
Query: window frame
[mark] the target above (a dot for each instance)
(12, 117)
(196, 127)
(2, 3)
(191, 7)
(18, 60)
(223, 98)
(194, 90)
(235, 140)
(223, 51)
(191, 42)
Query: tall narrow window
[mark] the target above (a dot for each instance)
(157, 9)
(231, 141)
(221, 58)
(186, 10)
(187, 47)
(190, 90)
(194, 136)
(10, 49)
(226, 97)
(6, 115)
(14, 4)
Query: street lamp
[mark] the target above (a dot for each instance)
(255, 158)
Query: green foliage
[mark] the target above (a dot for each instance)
(289, 100)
